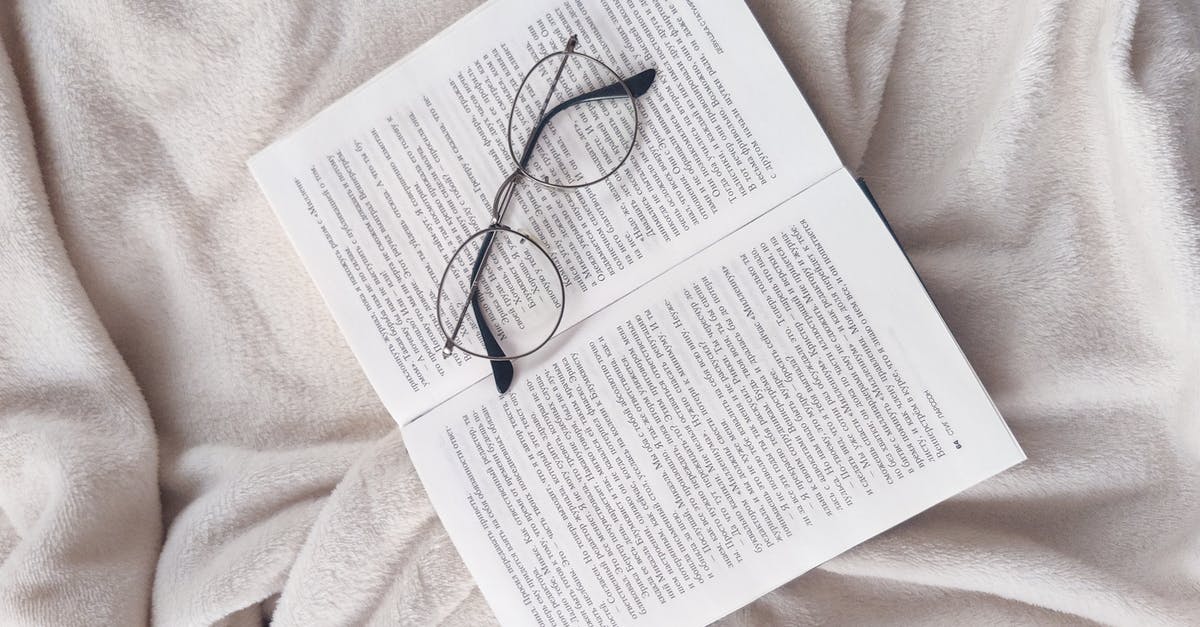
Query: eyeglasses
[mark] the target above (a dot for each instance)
(505, 277)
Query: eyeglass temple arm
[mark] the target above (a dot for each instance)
(502, 370)
(638, 84)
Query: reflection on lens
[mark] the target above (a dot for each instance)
(575, 130)
(518, 295)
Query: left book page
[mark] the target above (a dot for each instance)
(378, 190)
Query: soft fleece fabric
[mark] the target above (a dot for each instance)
(185, 438)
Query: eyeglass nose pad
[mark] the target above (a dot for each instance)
(534, 238)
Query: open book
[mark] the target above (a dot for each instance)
(749, 378)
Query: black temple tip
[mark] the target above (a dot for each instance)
(640, 83)
(503, 373)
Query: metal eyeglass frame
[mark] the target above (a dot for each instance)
(631, 88)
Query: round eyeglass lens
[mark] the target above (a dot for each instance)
(572, 127)
(517, 301)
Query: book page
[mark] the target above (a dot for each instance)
(377, 191)
(776, 399)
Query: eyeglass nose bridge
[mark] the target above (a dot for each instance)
(504, 197)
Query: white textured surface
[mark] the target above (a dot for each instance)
(185, 437)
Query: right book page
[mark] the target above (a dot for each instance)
(774, 400)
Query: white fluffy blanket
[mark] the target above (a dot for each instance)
(186, 439)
